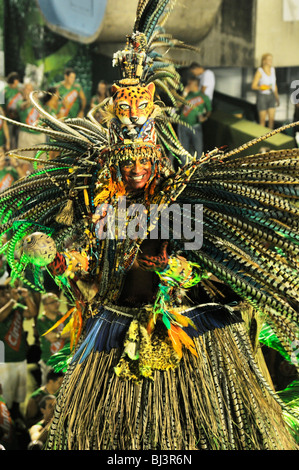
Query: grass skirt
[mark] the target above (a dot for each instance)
(216, 401)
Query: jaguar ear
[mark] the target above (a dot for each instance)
(115, 88)
(151, 88)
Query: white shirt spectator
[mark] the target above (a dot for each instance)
(269, 80)
(207, 81)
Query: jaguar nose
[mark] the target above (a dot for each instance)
(134, 119)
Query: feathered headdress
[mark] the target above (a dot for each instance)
(142, 61)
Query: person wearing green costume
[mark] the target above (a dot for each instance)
(4, 135)
(72, 96)
(16, 305)
(50, 101)
(12, 95)
(55, 340)
(193, 114)
(51, 387)
(28, 138)
(101, 94)
(8, 174)
(6, 425)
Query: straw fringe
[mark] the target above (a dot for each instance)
(216, 401)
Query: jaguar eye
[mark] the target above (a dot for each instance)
(124, 106)
(143, 105)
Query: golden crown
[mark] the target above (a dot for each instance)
(132, 59)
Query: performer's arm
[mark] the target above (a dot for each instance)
(31, 311)
(68, 262)
(7, 309)
(40, 249)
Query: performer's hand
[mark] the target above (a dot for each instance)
(23, 292)
(14, 294)
(155, 263)
(78, 261)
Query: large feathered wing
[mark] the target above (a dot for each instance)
(250, 231)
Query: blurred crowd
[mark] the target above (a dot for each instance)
(32, 330)
(65, 100)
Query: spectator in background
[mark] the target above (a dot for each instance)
(264, 82)
(4, 274)
(12, 94)
(4, 134)
(28, 114)
(51, 387)
(16, 305)
(101, 94)
(53, 341)
(50, 101)
(39, 431)
(206, 79)
(8, 174)
(7, 433)
(194, 114)
(73, 100)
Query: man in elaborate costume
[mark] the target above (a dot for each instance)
(164, 350)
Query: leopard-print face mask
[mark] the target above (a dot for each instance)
(133, 105)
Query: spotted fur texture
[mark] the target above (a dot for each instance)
(133, 105)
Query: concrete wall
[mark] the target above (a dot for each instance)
(229, 33)
(274, 35)
(190, 20)
(228, 42)
(231, 41)
(244, 30)
(223, 31)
